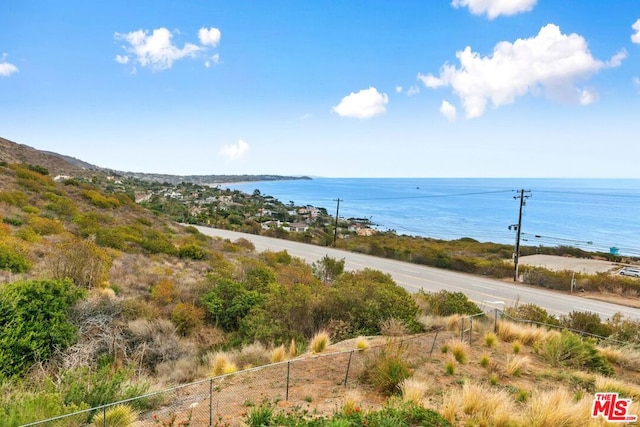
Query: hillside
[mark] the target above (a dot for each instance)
(128, 301)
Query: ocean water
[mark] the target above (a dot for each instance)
(591, 214)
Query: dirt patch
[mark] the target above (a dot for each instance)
(579, 265)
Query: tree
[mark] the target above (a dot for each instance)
(34, 321)
(328, 269)
(82, 261)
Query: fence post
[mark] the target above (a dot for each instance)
(495, 321)
(470, 328)
(104, 416)
(462, 329)
(288, 372)
(434, 343)
(348, 366)
(211, 401)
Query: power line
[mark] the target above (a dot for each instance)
(433, 196)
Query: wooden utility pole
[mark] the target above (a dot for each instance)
(335, 231)
(518, 227)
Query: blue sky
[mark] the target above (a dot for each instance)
(431, 88)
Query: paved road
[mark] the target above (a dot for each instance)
(487, 293)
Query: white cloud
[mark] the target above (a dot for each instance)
(363, 105)
(551, 61)
(413, 90)
(587, 96)
(636, 36)
(398, 89)
(155, 50)
(448, 110)
(234, 152)
(215, 59)
(636, 82)
(7, 68)
(495, 8)
(210, 37)
(122, 59)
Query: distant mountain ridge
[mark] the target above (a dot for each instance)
(60, 164)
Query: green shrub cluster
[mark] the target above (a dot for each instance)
(14, 198)
(394, 413)
(533, 313)
(34, 322)
(100, 200)
(446, 303)
(13, 258)
(386, 370)
(568, 349)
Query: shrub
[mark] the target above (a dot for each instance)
(14, 198)
(387, 370)
(319, 342)
(115, 416)
(19, 407)
(13, 258)
(187, 317)
(16, 222)
(445, 303)
(101, 386)
(222, 365)
(99, 200)
(586, 322)
(450, 367)
(34, 322)
(531, 312)
(192, 251)
(82, 261)
(568, 349)
(259, 416)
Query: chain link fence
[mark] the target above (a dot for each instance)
(318, 382)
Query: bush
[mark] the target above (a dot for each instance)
(187, 317)
(445, 303)
(192, 251)
(19, 407)
(82, 261)
(34, 322)
(13, 258)
(586, 322)
(387, 370)
(533, 313)
(14, 198)
(101, 386)
(568, 349)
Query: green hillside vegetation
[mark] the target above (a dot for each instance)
(102, 299)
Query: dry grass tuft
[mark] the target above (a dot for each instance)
(278, 354)
(453, 322)
(526, 334)
(604, 384)
(393, 327)
(459, 350)
(413, 390)
(255, 354)
(625, 357)
(490, 339)
(293, 348)
(517, 365)
(319, 342)
(479, 405)
(557, 408)
(352, 401)
(222, 364)
(362, 344)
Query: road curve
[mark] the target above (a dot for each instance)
(487, 293)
